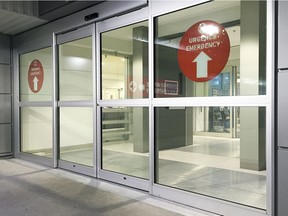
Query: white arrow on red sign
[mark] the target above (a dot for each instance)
(35, 76)
(203, 51)
(35, 81)
(202, 65)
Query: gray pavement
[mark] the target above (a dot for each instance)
(28, 189)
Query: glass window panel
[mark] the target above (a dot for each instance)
(124, 64)
(207, 152)
(36, 131)
(36, 75)
(125, 137)
(76, 135)
(75, 70)
(193, 61)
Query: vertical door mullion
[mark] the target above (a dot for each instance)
(95, 117)
(54, 100)
(152, 156)
(97, 57)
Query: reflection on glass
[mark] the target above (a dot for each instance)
(36, 131)
(124, 62)
(125, 137)
(223, 167)
(36, 75)
(75, 70)
(76, 135)
(243, 74)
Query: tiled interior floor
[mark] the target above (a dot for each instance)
(210, 167)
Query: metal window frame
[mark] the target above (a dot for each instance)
(102, 27)
(154, 9)
(19, 104)
(267, 101)
(60, 38)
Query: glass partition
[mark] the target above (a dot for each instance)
(232, 169)
(36, 131)
(36, 75)
(213, 49)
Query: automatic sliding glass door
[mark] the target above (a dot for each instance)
(75, 114)
(123, 103)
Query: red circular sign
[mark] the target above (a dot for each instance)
(203, 51)
(35, 76)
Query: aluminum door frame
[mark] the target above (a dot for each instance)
(101, 27)
(58, 39)
(215, 205)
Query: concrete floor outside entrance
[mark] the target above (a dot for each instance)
(28, 189)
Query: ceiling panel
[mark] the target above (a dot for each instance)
(51, 10)
(12, 23)
(15, 16)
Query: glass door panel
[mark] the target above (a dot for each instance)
(124, 62)
(75, 70)
(75, 105)
(125, 127)
(125, 146)
(76, 135)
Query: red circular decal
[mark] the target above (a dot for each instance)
(203, 51)
(35, 76)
